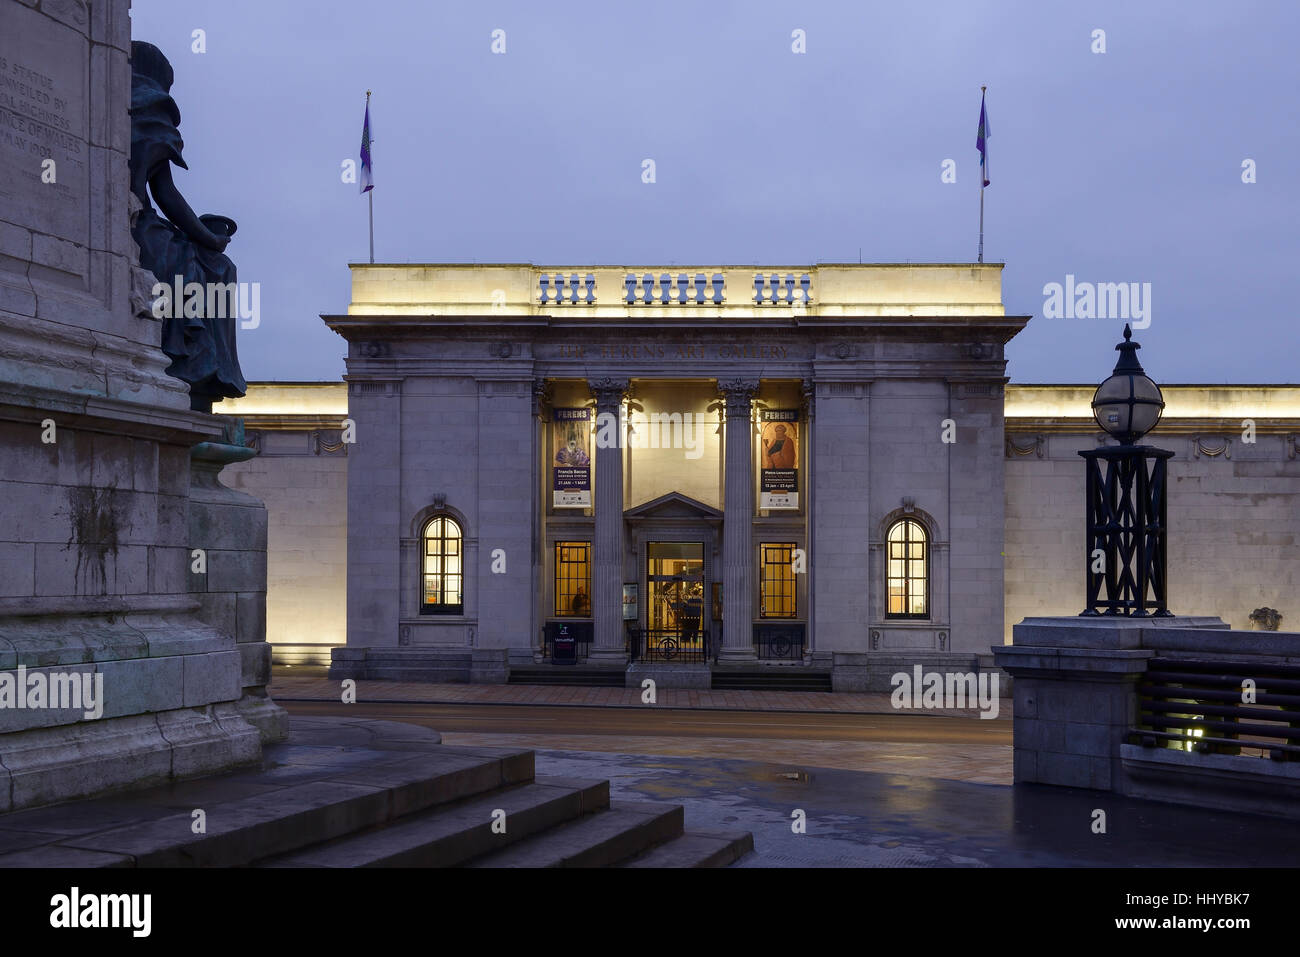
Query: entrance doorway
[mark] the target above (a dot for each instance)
(675, 590)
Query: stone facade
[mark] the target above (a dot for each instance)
(1234, 515)
(300, 473)
(892, 377)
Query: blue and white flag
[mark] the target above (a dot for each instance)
(982, 142)
(367, 174)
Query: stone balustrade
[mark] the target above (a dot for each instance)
(824, 290)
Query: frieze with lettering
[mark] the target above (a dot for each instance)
(672, 351)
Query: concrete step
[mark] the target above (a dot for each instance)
(337, 802)
(701, 848)
(602, 839)
(453, 835)
(771, 679)
(569, 676)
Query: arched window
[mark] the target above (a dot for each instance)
(909, 570)
(443, 572)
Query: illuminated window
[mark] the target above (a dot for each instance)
(776, 581)
(909, 570)
(573, 579)
(443, 568)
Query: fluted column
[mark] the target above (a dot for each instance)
(607, 547)
(737, 523)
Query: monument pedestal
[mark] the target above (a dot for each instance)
(118, 668)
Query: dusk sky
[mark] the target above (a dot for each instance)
(1122, 166)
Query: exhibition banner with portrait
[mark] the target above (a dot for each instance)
(571, 468)
(779, 448)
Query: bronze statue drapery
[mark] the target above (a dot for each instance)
(201, 347)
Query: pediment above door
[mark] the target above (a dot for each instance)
(674, 505)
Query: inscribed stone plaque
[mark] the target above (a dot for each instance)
(43, 116)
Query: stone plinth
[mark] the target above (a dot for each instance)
(95, 441)
(1075, 694)
(228, 527)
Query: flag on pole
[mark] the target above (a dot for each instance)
(367, 174)
(982, 142)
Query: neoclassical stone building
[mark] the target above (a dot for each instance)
(814, 473)
(689, 469)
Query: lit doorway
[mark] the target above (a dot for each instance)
(675, 608)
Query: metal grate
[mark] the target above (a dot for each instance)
(1208, 706)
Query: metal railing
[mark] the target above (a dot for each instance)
(668, 646)
(1220, 707)
(779, 642)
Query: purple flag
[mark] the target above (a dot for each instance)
(982, 142)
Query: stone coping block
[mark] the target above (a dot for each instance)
(1033, 661)
(1229, 782)
(49, 641)
(1105, 632)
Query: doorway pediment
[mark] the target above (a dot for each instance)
(674, 505)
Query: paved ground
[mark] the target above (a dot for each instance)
(883, 790)
(864, 819)
(925, 745)
(310, 684)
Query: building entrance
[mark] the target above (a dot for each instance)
(675, 620)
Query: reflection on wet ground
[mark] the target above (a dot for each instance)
(979, 763)
(872, 819)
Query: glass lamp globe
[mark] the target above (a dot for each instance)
(1128, 404)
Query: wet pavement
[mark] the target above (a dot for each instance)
(896, 790)
(867, 819)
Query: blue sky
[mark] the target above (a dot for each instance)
(1123, 166)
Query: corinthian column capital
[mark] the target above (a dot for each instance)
(609, 392)
(739, 394)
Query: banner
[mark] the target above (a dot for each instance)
(779, 474)
(571, 470)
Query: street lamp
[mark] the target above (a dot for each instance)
(1126, 497)
(1128, 404)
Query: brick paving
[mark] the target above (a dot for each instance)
(289, 686)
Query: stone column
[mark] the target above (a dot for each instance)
(809, 390)
(607, 548)
(737, 523)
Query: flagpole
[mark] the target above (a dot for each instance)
(983, 172)
(370, 194)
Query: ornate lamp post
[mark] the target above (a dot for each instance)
(1126, 497)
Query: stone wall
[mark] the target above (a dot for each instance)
(1234, 526)
(304, 487)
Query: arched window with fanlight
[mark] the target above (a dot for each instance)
(442, 551)
(908, 570)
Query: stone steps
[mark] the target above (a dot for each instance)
(451, 836)
(703, 848)
(568, 676)
(367, 794)
(771, 679)
(624, 829)
(244, 829)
